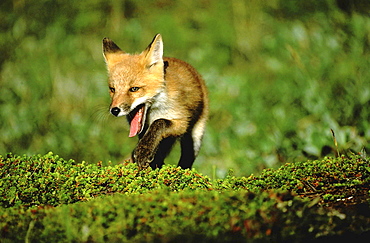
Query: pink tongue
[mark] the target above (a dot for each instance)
(136, 123)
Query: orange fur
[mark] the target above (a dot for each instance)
(170, 94)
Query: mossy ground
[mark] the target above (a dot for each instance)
(47, 198)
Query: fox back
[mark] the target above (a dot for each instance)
(164, 99)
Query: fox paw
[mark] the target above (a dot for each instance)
(142, 158)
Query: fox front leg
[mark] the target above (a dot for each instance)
(143, 155)
(146, 149)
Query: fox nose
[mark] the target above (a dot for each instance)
(115, 111)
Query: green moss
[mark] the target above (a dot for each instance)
(50, 180)
(187, 215)
(46, 198)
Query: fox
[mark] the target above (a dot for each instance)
(163, 98)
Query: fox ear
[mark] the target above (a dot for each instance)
(154, 52)
(111, 52)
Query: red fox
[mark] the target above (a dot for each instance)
(164, 99)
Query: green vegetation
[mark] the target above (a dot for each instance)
(280, 76)
(47, 199)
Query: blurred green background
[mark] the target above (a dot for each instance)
(280, 75)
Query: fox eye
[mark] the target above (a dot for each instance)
(112, 89)
(134, 89)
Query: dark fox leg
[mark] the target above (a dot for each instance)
(187, 151)
(146, 149)
(163, 150)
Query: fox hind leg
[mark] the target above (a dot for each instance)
(187, 151)
(190, 144)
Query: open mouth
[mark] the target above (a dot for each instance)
(137, 120)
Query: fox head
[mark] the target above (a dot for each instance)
(134, 80)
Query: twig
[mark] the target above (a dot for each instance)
(335, 141)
